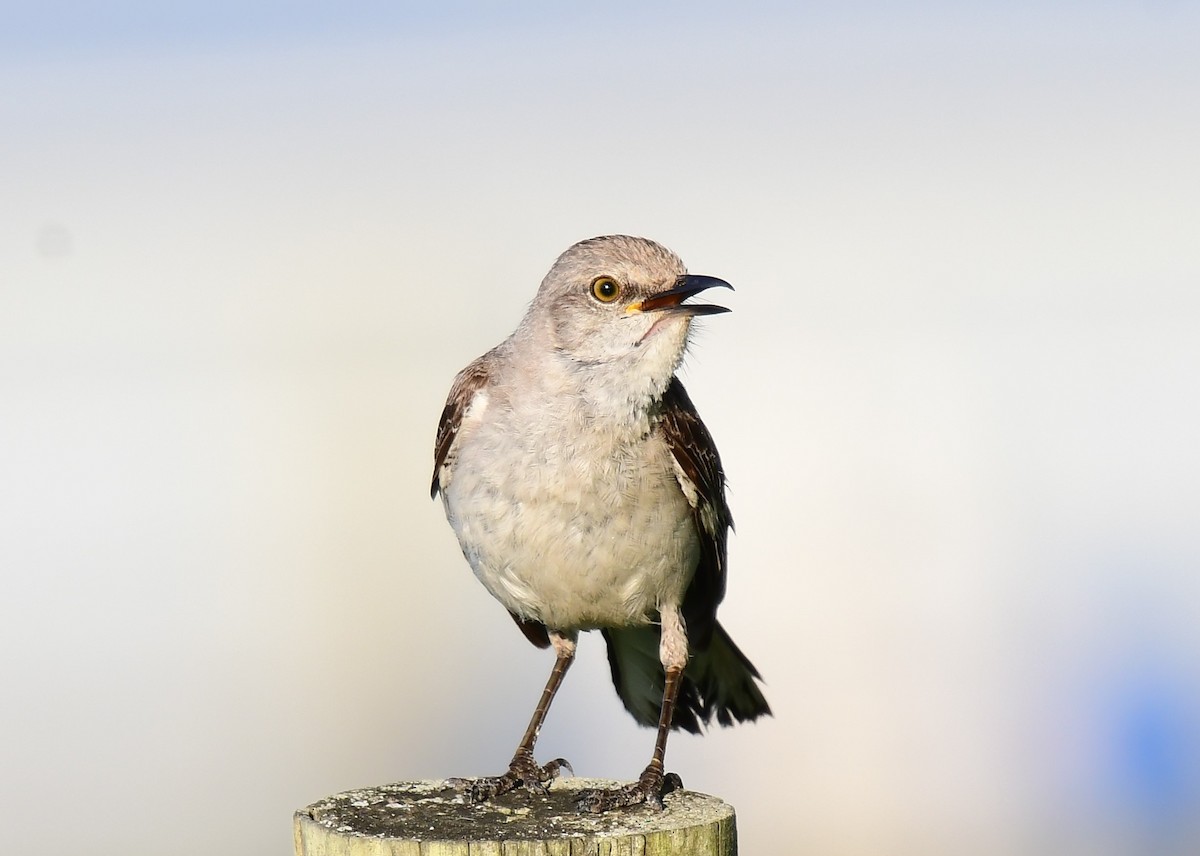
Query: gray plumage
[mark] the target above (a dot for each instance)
(585, 491)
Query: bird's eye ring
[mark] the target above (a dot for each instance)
(605, 289)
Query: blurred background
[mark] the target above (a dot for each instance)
(245, 247)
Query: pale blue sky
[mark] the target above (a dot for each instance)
(93, 27)
(57, 27)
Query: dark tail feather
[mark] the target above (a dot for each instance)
(718, 681)
(727, 681)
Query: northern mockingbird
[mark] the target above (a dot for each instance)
(587, 494)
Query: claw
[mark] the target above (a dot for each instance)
(523, 772)
(551, 768)
(650, 788)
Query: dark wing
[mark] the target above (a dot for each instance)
(534, 631)
(703, 482)
(719, 681)
(469, 381)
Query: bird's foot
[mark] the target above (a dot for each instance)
(523, 772)
(650, 788)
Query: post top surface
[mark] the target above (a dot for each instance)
(435, 811)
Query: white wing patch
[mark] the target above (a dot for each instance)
(708, 514)
(475, 410)
(472, 416)
(689, 488)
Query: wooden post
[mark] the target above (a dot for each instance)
(432, 819)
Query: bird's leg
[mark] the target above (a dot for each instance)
(653, 784)
(524, 771)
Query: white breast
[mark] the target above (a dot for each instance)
(568, 523)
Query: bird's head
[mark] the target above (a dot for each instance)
(618, 299)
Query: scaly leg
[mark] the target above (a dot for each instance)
(524, 771)
(653, 784)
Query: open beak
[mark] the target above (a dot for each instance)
(686, 286)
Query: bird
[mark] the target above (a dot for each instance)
(587, 494)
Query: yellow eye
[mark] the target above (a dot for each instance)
(605, 289)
